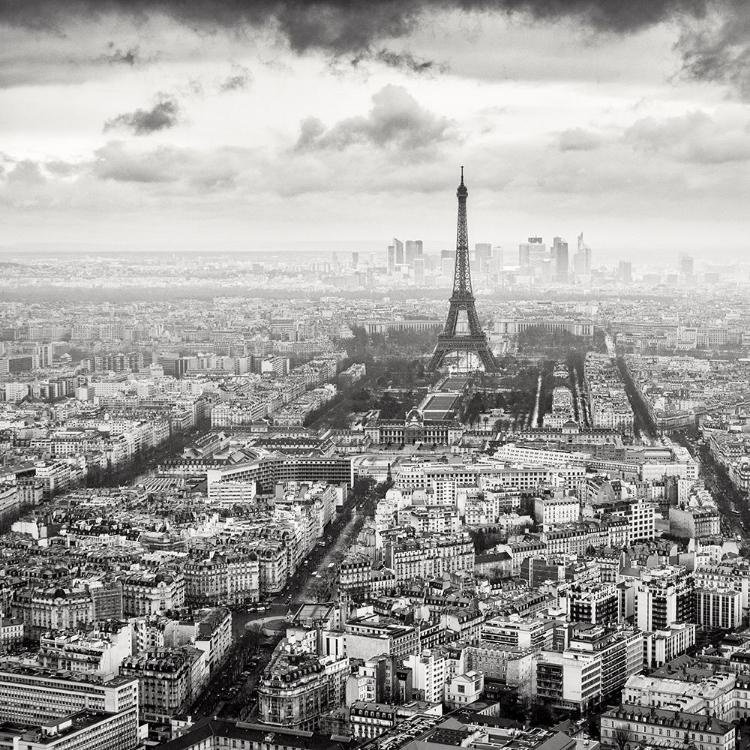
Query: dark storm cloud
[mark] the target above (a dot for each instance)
(163, 115)
(356, 26)
(116, 56)
(396, 120)
(399, 60)
(720, 51)
(129, 56)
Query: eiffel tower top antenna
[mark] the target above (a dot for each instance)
(462, 276)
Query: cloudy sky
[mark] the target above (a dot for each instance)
(241, 123)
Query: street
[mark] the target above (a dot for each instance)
(230, 689)
(731, 502)
(333, 553)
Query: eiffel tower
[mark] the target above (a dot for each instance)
(475, 340)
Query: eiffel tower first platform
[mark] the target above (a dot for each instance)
(475, 341)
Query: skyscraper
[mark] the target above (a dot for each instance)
(685, 264)
(482, 255)
(625, 272)
(582, 258)
(390, 260)
(399, 251)
(532, 255)
(412, 250)
(447, 262)
(560, 260)
(497, 259)
(419, 271)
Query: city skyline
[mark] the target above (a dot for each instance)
(170, 130)
(374, 374)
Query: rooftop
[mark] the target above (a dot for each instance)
(254, 733)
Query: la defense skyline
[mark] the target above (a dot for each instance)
(533, 262)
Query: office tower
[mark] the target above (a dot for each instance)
(685, 264)
(582, 258)
(462, 301)
(420, 247)
(419, 271)
(497, 259)
(560, 260)
(411, 251)
(482, 255)
(532, 254)
(390, 260)
(399, 251)
(355, 259)
(447, 262)
(447, 265)
(481, 249)
(34, 695)
(625, 272)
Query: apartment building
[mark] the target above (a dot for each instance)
(718, 607)
(148, 593)
(371, 635)
(570, 680)
(98, 652)
(694, 522)
(294, 692)
(668, 728)
(515, 633)
(464, 689)
(428, 675)
(429, 556)
(557, 510)
(53, 608)
(166, 682)
(592, 602)
(661, 646)
(223, 578)
(664, 597)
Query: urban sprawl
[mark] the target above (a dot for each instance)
(262, 520)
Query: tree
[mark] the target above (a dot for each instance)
(362, 487)
(318, 590)
(621, 738)
(541, 715)
(254, 633)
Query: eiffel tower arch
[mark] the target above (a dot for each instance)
(462, 301)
